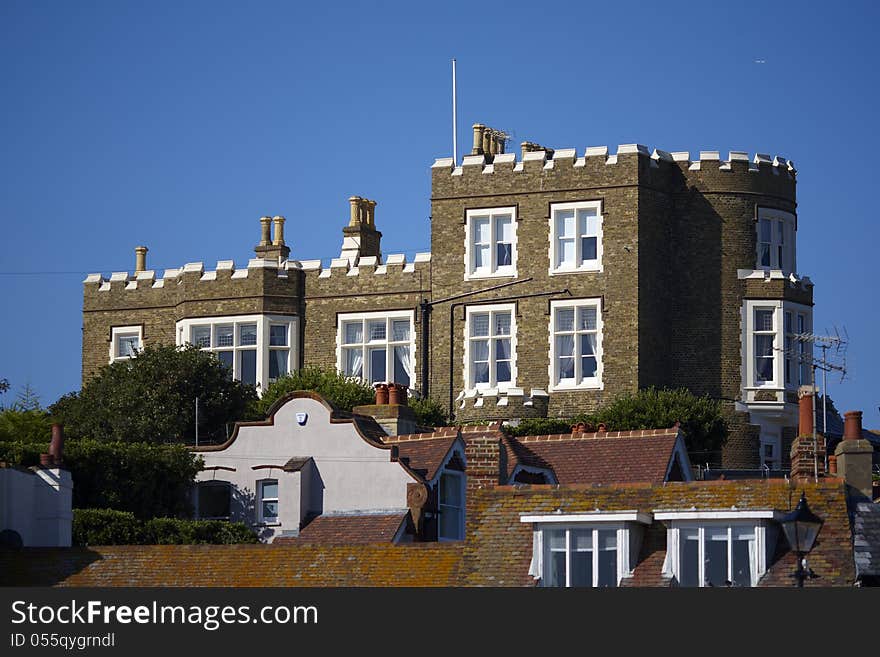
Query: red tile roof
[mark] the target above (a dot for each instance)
(615, 457)
(349, 529)
(424, 457)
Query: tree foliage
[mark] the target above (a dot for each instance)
(344, 392)
(429, 413)
(31, 426)
(152, 396)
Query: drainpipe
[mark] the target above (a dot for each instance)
(425, 314)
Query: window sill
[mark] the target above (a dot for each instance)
(594, 269)
(475, 276)
(267, 524)
(562, 387)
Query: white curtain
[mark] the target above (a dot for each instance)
(401, 355)
(354, 362)
(536, 567)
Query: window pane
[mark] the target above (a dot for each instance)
(588, 344)
(504, 255)
(763, 320)
(565, 345)
(450, 489)
(716, 556)
(504, 229)
(764, 226)
(742, 568)
(565, 223)
(502, 323)
(354, 332)
(566, 252)
(555, 539)
(607, 558)
(481, 230)
(566, 368)
(127, 345)
(481, 372)
(402, 365)
(224, 335)
(764, 258)
(589, 222)
(353, 362)
(377, 330)
(201, 336)
(226, 358)
(581, 569)
(586, 319)
(565, 319)
(480, 324)
(278, 335)
(556, 569)
(690, 565)
(248, 373)
(588, 366)
(764, 345)
(270, 510)
(480, 350)
(780, 229)
(450, 522)
(377, 365)
(764, 369)
(581, 539)
(400, 330)
(277, 363)
(588, 248)
(270, 490)
(481, 257)
(247, 334)
(503, 374)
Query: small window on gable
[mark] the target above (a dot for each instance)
(490, 243)
(585, 550)
(575, 237)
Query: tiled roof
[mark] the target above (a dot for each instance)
(615, 457)
(422, 564)
(866, 539)
(498, 548)
(349, 529)
(424, 457)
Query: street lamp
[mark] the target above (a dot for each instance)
(801, 527)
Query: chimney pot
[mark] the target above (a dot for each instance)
(487, 141)
(56, 447)
(381, 394)
(393, 393)
(478, 139)
(355, 210)
(852, 425)
(279, 231)
(140, 258)
(832, 465)
(265, 231)
(805, 408)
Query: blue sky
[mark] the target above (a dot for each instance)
(178, 124)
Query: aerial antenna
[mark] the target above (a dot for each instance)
(454, 119)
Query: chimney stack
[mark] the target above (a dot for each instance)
(140, 259)
(360, 237)
(267, 248)
(479, 128)
(56, 447)
(854, 455)
(807, 455)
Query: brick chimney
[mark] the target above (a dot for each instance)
(854, 455)
(483, 454)
(360, 237)
(391, 411)
(807, 454)
(269, 248)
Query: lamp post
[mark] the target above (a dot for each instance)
(801, 527)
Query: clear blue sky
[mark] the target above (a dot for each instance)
(178, 124)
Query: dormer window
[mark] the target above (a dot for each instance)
(718, 548)
(776, 240)
(585, 550)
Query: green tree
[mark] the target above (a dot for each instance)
(344, 392)
(152, 396)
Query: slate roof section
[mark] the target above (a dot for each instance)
(354, 529)
(420, 564)
(424, 457)
(498, 547)
(611, 458)
(866, 539)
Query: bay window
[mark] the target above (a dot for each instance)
(775, 355)
(490, 243)
(490, 353)
(575, 237)
(776, 240)
(377, 347)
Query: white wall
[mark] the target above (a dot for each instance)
(349, 474)
(37, 504)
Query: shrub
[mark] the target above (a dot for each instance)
(110, 527)
(145, 479)
(429, 413)
(344, 392)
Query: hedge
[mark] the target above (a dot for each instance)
(110, 527)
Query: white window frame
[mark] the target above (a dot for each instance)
(579, 265)
(773, 440)
(468, 370)
(117, 332)
(493, 271)
(460, 476)
(629, 527)
(389, 316)
(761, 522)
(781, 343)
(787, 248)
(268, 520)
(184, 332)
(584, 383)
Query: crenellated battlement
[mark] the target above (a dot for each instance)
(549, 159)
(395, 263)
